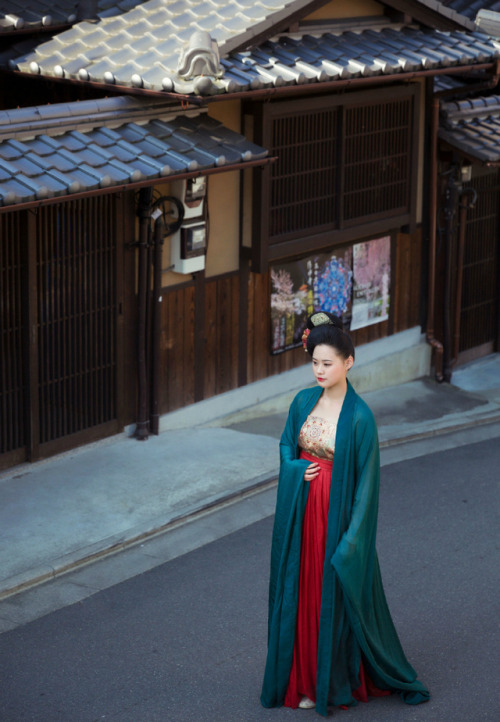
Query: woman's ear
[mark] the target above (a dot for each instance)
(349, 362)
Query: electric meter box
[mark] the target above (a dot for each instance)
(189, 244)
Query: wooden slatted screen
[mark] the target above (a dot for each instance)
(377, 160)
(346, 167)
(12, 378)
(481, 272)
(304, 178)
(76, 277)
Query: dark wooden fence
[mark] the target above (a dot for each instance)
(202, 333)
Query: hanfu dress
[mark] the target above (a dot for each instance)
(331, 636)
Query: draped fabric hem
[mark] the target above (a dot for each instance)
(303, 677)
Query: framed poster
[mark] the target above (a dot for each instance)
(371, 282)
(319, 282)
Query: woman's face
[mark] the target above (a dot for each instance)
(329, 368)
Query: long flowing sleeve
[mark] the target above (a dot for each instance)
(285, 553)
(356, 565)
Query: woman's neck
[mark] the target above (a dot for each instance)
(335, 393)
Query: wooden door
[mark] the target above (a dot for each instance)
(61, 336)
(479, 313)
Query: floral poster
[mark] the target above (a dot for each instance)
(371, 284)
(320, 282)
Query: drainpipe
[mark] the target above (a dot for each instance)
(144, 213)
(453, 190)
(436, 345)
(154, 417)
(464, 207)
(160, 232)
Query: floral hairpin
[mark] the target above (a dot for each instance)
(304, 338)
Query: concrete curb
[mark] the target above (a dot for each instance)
(118, 542)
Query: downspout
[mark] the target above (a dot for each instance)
(144, 213)
(436, 345)
(464, 207)
(452, 193)
(160, 232)
(154, 417)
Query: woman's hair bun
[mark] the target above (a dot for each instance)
(326, 328)
(324, 318)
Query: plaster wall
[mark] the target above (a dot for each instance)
(223, 207)
(353, 9)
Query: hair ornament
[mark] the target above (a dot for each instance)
(321, 319)
(304, 338)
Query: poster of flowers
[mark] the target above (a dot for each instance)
(371, 282)
(299, 288)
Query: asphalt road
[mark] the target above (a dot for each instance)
(185, 641)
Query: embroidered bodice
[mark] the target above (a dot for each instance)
(317, 437)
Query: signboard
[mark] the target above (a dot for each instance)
(320, 282)
(372, 280)
(353, 283)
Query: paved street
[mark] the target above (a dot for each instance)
(185, 641)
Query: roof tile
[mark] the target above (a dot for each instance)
(146, 42)
(39, 159)
(473, 126)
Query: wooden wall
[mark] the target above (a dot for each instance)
(221, 354)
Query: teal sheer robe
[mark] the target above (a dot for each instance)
(355, 619)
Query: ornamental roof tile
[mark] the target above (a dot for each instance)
(473, 126)
(79, 147)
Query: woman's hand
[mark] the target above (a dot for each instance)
(311, 472)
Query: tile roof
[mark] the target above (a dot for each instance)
(144, 53)
(447, 82)
(473, 126)
(303, 59)
(56, 150)
(488, 21)
(133, 36)
(470, 8)
(32, 14)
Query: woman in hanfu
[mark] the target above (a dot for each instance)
(331, 638)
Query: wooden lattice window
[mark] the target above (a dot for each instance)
(304, 180)
(377, 159)
(346, 167)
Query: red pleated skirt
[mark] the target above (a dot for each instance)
(302, 681)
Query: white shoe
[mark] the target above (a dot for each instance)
(306, 703)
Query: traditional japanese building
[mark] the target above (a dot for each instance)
(181, 183)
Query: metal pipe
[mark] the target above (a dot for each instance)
(143, 211)
(464, 206)
(436, 345)
(452, 192)
(154, 416)
(160, 231)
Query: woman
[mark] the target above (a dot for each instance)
(331, 637)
